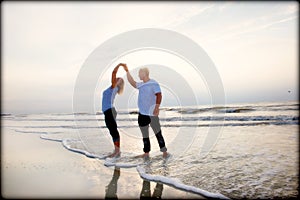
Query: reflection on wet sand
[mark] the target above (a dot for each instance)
(146, 190)
(111, 188)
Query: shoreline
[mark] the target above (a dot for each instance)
(36, 168)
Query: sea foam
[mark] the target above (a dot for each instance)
(177, 184)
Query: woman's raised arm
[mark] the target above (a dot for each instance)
(114, 76)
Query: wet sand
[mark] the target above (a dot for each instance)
(36, 168)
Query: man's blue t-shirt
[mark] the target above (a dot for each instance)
(108, 98)
(147, 97)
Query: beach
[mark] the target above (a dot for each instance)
(36, 168)
(255, 154)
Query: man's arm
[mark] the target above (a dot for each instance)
(158, 101)
(131, 80)
(129, 77)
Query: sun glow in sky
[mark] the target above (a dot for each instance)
(254, 46)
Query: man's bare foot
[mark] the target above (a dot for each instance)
(165, 154)
(145, 155)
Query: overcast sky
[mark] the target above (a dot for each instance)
(254, 46)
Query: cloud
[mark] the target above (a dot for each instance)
(183, 14)
(252, 28)
(222, 21)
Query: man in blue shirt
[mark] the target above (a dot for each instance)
(149, 100)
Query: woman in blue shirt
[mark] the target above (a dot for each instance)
(110, 113)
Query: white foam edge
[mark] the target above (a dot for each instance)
(175, 183)
(68, 147)
(33, 132)
(109, 163)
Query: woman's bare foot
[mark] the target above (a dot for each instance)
(115, 154)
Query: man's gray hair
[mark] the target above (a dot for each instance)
(145, 69)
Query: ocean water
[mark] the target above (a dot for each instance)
(255, 152)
